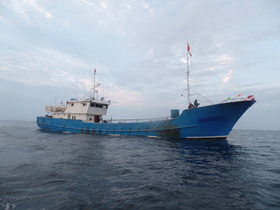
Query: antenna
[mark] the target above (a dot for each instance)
(94, 73)
(84, 86)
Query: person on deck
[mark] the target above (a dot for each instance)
(190, 106)
(196, 104)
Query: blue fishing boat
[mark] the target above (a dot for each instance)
(214, 121)
(205, 122)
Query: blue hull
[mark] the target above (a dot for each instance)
(215, 121)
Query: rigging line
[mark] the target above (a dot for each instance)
(202, 96)
(180, 90)
(174, 91)
(146, 100)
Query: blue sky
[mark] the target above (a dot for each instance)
(48, 50)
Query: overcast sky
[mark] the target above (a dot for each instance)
(49, 49)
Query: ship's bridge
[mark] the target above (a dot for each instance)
(86, 110)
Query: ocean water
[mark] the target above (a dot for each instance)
(47, 170)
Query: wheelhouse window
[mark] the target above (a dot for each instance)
(104, 106)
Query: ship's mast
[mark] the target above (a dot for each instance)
(92, 93)
(188, 85)
(188, 72)
(95, 85)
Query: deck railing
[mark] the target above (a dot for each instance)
(239, 98)
(135, 120)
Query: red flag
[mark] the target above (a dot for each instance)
(94, 71)
(189, 49)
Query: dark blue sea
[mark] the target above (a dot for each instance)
(47, 170)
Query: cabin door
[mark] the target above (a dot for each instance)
(96, 119)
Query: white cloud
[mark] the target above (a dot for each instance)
(227, 77)
(225, 59)
(103, 4)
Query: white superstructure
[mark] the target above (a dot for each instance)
(89, 110)
(86, 110)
